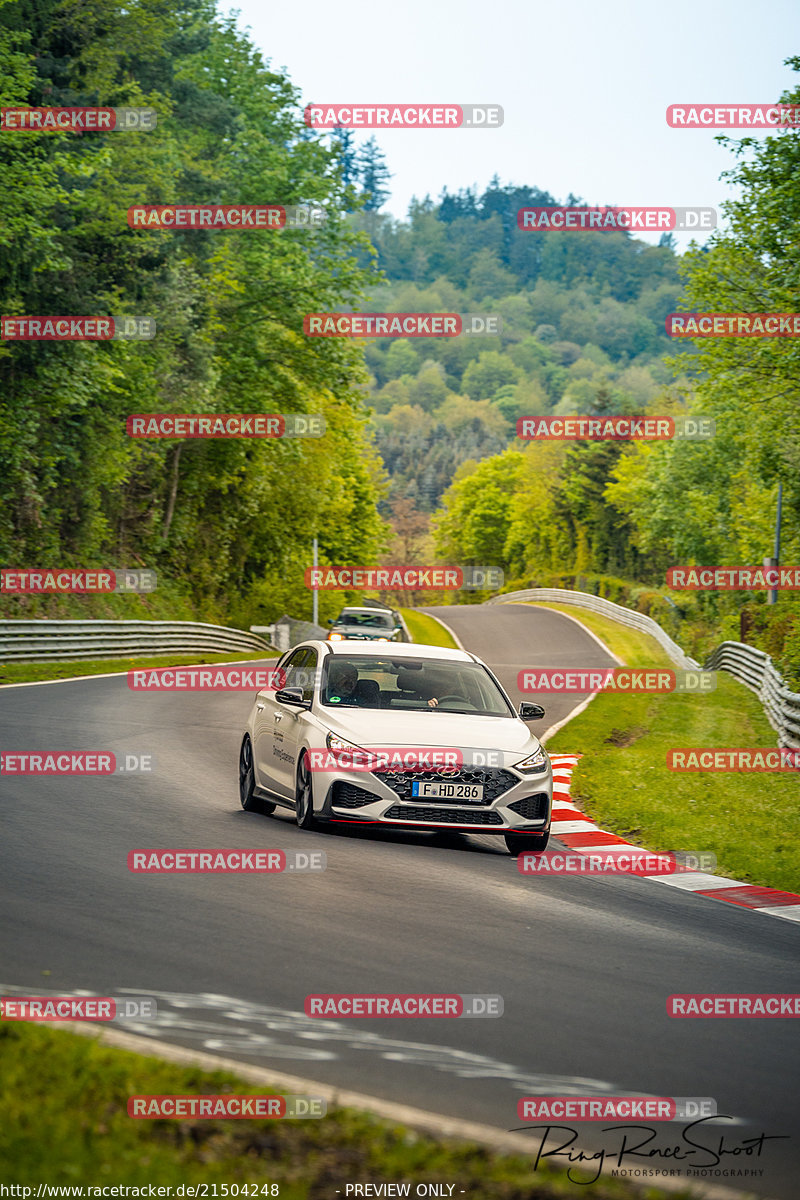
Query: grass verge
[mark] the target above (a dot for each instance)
(35, 672)
(427, 630)
(749, 820)
(64, 1103)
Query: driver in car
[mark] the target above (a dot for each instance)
(344, 688)
(343, 685)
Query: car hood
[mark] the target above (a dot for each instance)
(375, 727)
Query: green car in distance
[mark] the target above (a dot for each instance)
(367, 624)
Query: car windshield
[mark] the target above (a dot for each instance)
(411, 685)
(369, 620)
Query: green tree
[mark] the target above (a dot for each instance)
(492, 371)
(228, 306)
(374, 175)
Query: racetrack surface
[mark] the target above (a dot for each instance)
(584, 965)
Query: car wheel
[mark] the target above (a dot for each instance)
(304, 796)
(247, 782)
(526, 843)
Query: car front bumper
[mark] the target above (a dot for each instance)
(512, 802)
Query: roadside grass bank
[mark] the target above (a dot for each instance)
(64, 1102)
(426, 630)
(37, 672)
(749, 820)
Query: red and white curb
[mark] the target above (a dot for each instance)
(580, 834)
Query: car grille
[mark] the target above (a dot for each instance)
(493, 780)
(534, 807)
(347, 795)
(443, 816)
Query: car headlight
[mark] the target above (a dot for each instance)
(336, 743)
(381, 639)
(335, 637)
(353, 756)
(534, 762)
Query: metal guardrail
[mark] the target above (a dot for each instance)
(50, 641)
(616, 612)
(754, 668)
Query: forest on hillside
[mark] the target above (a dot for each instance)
(583, 332)
(227, 524)
(420, 455)
(581, 315)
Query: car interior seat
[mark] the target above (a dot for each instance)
(368, 693)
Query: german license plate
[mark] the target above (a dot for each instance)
(433, 790)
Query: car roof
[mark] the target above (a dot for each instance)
(392, 650)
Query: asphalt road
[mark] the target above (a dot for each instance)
(584, 965)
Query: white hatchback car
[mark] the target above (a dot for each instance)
(407, 736)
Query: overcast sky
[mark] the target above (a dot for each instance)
(584, 86)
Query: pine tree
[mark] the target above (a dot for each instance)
(374, 175)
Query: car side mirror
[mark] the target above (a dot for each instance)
(330, 620)
(530, 712)
(293, 696)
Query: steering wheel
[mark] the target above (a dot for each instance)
(459, 699)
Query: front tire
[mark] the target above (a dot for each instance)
(304, 796)
(526, 843)
(247, 782)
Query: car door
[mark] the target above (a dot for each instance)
(268, 751)
(288, 723)
(290, 729)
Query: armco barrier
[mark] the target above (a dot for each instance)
(752, 667)
(51, 641)
(756, 670)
